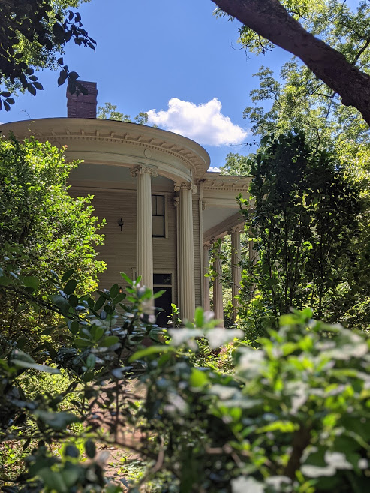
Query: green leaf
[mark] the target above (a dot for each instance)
(71, 451)
(74, 327)
(35, 366)
(199, 317)
(142, 353)
(99, 303)
(21, 356)
(120, 297)
(82, 343)
(108, 341)
(71, 474)
(90, 361)
(198, 378)
(70, 286)
(57, 421)
(53, 480)
(31, 89)
(22, 342)
(114, 290)
(97, 332)
(73, 300)
(61, 303)
(67, 275)
(158, 294)
(5, 281)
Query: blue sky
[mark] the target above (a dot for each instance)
(170, 56)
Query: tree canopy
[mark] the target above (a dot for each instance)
(301, 27)
(109, 112)
(297, 98)
(32, 37)
(305, 223)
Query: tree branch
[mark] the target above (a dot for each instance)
(271, 20)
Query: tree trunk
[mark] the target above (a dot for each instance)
(269, 19)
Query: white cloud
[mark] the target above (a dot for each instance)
(203, 123)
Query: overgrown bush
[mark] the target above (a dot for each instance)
(42, 229)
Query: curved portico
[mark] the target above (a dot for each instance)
(128, 168)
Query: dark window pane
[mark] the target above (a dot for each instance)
(162, 279)
(160, 205)
(158, 226)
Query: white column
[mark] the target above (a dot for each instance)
(235, 268)
(218, 303)
(144, 223)
(206, 305)
(186, 253)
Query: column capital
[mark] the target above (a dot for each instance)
(140, 169)
(236, 229)
(185, 185)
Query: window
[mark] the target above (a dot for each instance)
(162, 279)
(158, 208)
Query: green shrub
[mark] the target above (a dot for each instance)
(42, 230)
(78, 401)
(293, 417)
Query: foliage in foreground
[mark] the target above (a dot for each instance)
(293, 417)
(94, 407)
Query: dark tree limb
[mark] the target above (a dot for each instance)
(301, 440)
(270, 19)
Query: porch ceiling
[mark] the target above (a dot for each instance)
(221, 210)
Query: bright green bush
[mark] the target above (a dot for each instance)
(42, 230)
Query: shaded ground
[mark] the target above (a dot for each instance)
(124, 465)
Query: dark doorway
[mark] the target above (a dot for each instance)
(163, 282)
(163, 302)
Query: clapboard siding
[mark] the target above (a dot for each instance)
(119, 249)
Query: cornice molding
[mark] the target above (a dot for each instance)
(60, 131)
(216, 182)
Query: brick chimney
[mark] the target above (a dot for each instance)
(83, 105)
